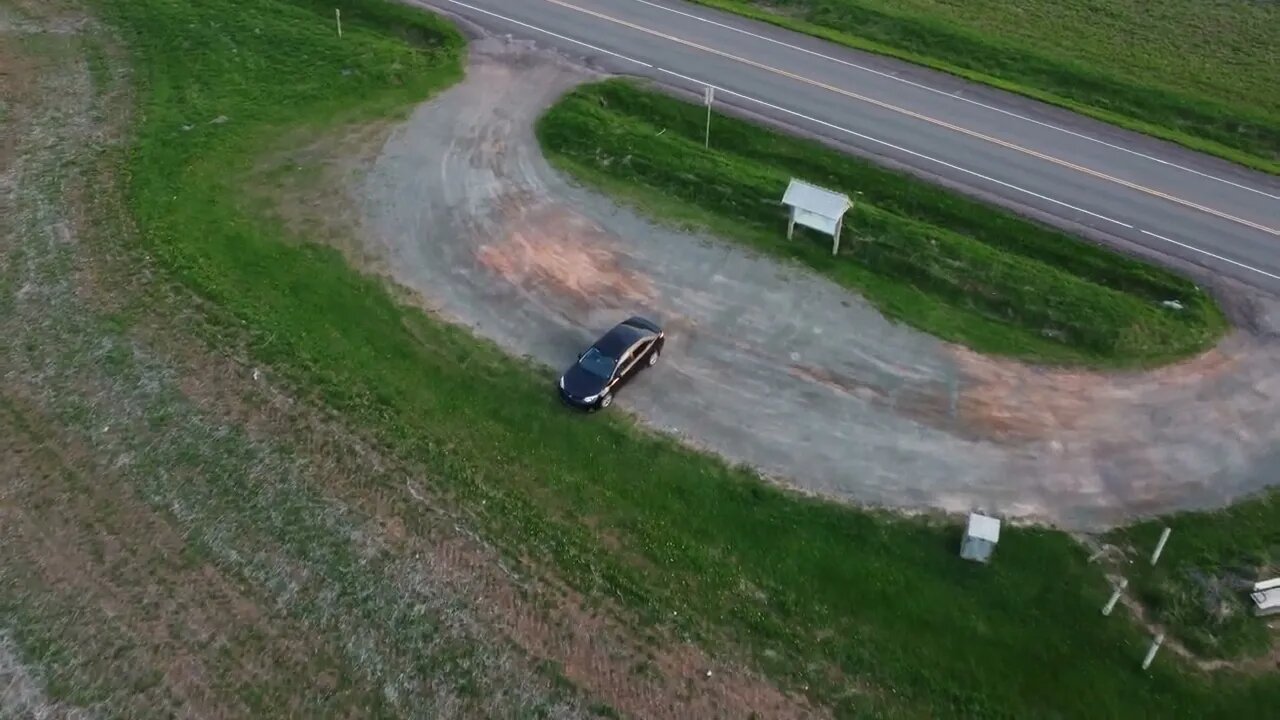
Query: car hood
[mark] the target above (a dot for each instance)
(580, 384)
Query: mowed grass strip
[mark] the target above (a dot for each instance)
(1195, 73)
(957, 268)
(873, 613)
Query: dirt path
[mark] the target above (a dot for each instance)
(772, 366)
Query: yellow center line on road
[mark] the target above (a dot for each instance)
(918, 116)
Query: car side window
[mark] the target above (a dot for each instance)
(624, 363)
(633, 355)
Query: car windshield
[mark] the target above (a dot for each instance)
(597, 363)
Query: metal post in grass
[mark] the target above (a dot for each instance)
(337, 16)
(1164, 538)
(1156, 642)
(1115, 597)
(853, 206)
(708, 97)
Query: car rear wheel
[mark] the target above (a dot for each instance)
(606, 401)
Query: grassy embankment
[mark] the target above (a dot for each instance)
(1198, 74)
(872, 612)
(957, 268)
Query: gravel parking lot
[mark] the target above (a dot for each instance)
(770, 365)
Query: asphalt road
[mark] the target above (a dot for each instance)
(1119, 187)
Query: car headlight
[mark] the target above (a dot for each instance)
(591, 398)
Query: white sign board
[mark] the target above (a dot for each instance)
(817, 208)
(813, 220)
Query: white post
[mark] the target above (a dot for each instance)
(1164, 538)
(1151, 651)
(1115, 597)
(835, 238)
(337, 16)
(709, 96)
(853, 205)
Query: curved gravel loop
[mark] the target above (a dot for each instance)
(770, 365)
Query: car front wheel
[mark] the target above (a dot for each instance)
(653, 358)
(606, 401)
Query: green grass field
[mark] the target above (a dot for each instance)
(962, 270)
(1197, 73)
(872, 612)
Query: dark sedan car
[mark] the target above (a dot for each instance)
(610, 362)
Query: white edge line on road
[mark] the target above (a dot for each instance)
(1212, 255)
(796, 114)
(954, 96)
(898, 148)
(548, 32)
(865, 137)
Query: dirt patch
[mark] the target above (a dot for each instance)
(1013, 399)
(550, 251)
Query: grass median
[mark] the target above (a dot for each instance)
(870, 612)
(957, 268)
(1198, 74)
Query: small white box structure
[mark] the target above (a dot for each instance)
(817, 208)
(1266, 597)
(980, 538)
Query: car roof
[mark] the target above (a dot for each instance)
(642, 323)
(616, 341)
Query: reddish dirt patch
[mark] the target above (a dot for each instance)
(548, 250)
(1011, 401)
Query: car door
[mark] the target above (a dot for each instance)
(620, 370)
(634, 355)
